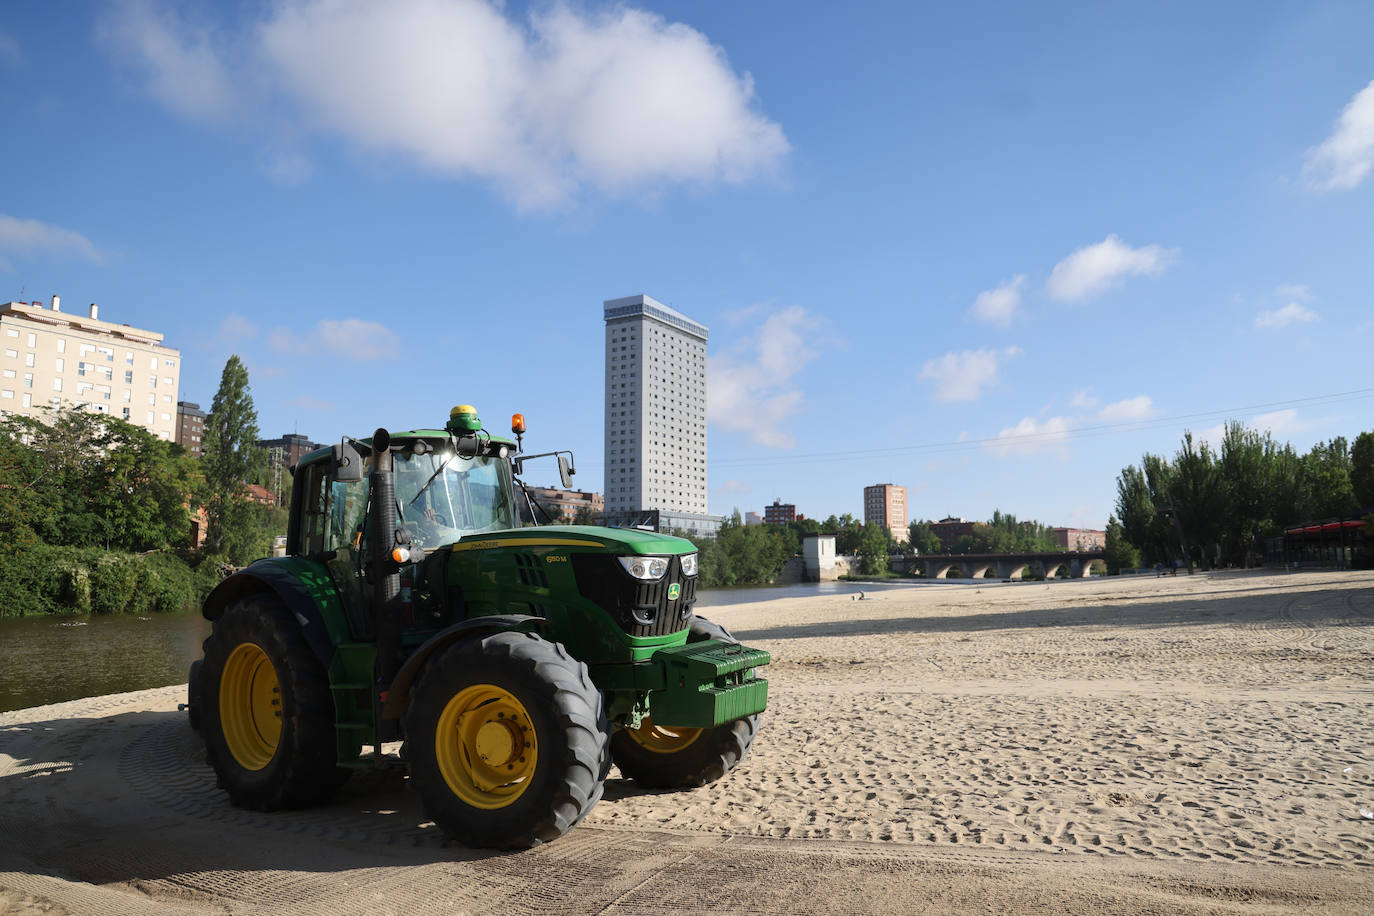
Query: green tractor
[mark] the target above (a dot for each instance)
(514, 663)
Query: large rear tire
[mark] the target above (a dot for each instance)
(265, 709)
(663, 757)
(507, 741)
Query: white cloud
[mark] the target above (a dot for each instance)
(1140, 407)
(1343, 160)
(731, 486)
(1084, 399)
(29, 236)
(619, 100)
(998, 306)
(1094, 269)
(1292, 313)
(751, 391)
(180, 62)
(287, 167)
(1030, 436)
(10, 53)
(235, 328)
(352, 338)
(966, 374)
(1294, 291)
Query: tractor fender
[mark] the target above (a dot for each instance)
(398, 695)
(280, 580)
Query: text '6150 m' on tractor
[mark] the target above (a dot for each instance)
(516, 664)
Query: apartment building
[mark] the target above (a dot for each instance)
(191, 428)
(1080, 539)
(655, 415)
(51, 358)
(885, 504)
(564, 505)
(779, 513)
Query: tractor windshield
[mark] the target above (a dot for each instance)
(442, 496)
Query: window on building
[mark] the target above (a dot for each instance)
(128, 358)
(167, 381)
(124, 412)
(152, 380)
(106, 352)
(86, 348)
(11, 354)
(152, 363)
(28, 400)
(170, 363)
(57, 386)
(152, 400)
(11, 332)
(9, 373)
(128, 396)
(128, 376)
(61, 345)
(7, 394)
(166, 416)
(33, 340)
(61, 364)
(150, 418)
(28, 379)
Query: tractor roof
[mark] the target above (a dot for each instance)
(397, 437)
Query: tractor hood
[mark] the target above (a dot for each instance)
(617, 541)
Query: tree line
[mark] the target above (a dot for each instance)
(1217, 506)
(96, 513)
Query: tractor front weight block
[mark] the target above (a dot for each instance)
(708, 683)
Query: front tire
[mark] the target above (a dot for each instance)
(669, 757)
(507, 741)
(265, 709)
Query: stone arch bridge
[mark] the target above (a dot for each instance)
(999, 565)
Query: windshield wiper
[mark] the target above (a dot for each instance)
(432, 477)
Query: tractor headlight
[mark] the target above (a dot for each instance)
(644, 567)
(689, 564)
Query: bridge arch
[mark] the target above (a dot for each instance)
(1052, 568)
(979, 570)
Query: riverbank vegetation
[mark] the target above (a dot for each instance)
(1217, 506)
(96, 513)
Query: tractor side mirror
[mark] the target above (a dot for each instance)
(348, 464)
(566, 471)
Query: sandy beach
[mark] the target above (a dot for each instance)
(1190, 744)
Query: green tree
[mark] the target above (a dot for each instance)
(873, 549)
(923, 540)
(87, 479)
(1118, 552)
(1362, 469)
(1246, 467)
(1326, 490)
(229, 456)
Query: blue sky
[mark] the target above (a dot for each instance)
(990, 252)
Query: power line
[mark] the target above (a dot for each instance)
(1052, 435)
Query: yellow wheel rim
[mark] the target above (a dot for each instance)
(662, 739)
(485, 746)
(250, 706)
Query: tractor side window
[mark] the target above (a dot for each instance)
(314, 519)
(347, 506)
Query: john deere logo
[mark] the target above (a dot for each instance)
(673, 591)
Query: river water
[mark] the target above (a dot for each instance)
(45, 659)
